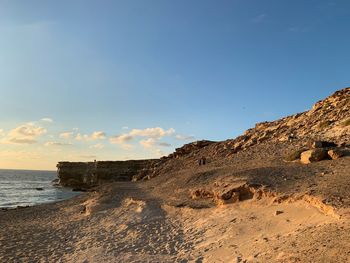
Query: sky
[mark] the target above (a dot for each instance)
(113, 80)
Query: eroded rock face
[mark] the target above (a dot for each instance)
(313, 155)
(189, 148)
(89, 174)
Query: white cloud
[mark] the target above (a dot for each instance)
(2, 133)
(125, 127)
(151, 135)
(122, 140)
(66, 135)
(27, 130)
(79, 137)
(24, 134)
(156, 132)
(149, 143)
(47, 120)
(97, 146)
(57, 144)
(97, 135)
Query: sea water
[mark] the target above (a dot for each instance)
(23, 188)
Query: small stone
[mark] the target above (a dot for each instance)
(278, 212)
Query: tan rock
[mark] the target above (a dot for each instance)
(313, 155)
(201, 194)
(294, 155)
(335, 154)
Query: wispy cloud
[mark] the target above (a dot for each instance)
(47, 120)
(184, 137)
(20, 140)
(66, 135)
(57, 144)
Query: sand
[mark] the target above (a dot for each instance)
(127, 222)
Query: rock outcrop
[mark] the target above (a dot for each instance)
(313, 155)
(189, 148)
(336, 153)
(89, 174)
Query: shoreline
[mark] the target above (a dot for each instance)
(28, 188)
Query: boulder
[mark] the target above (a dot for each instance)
(335, 153)
(294, 155)
(313, 155)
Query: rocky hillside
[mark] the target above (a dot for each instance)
(329, 120)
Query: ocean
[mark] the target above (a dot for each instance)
(20, 188)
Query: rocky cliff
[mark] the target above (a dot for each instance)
(89, 174)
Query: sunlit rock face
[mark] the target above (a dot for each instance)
(89, 174)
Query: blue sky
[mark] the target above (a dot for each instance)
(150, 76)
